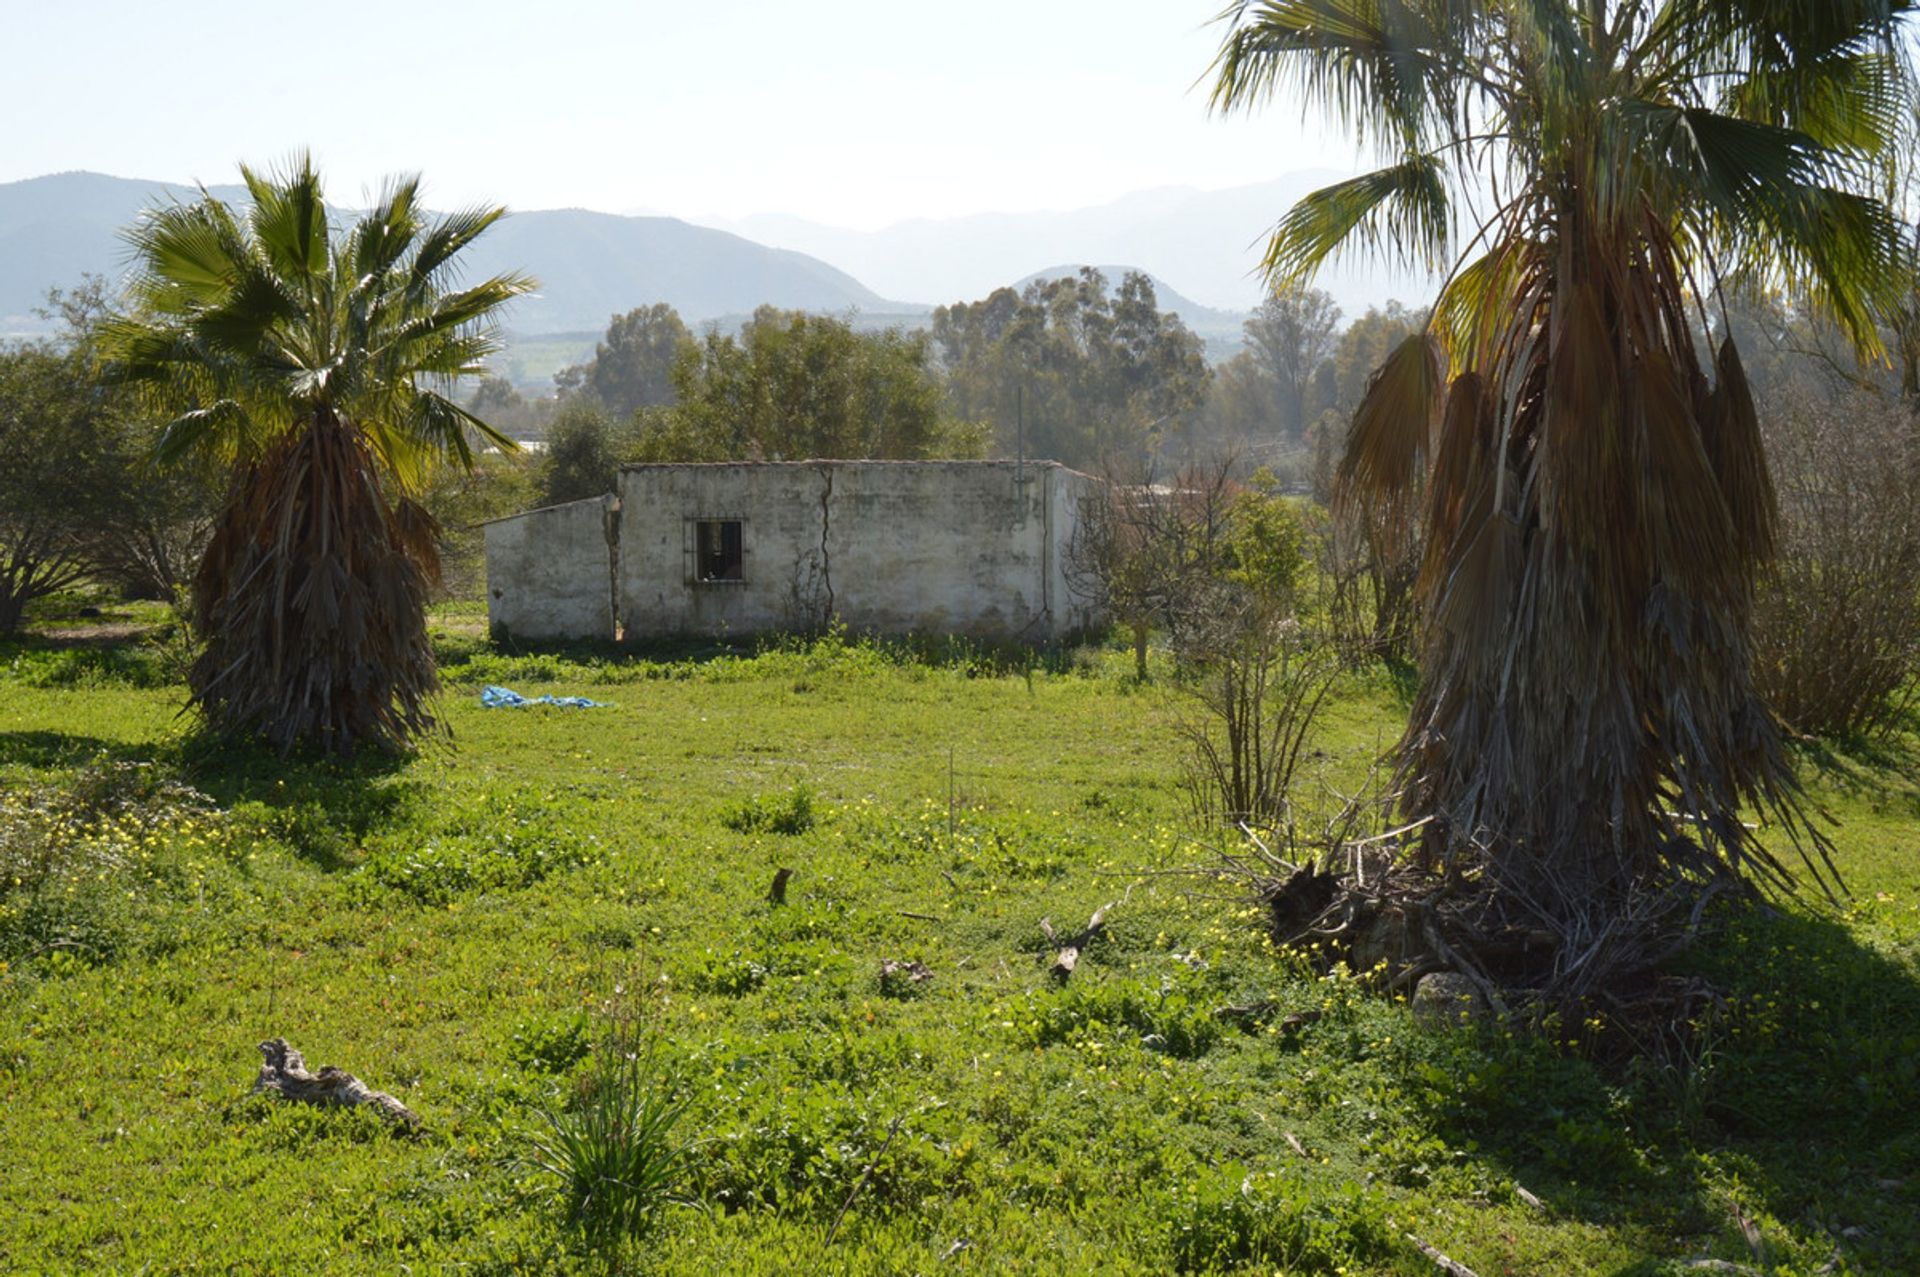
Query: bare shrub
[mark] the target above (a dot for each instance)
(1837, 621)
(1256, 676)
(1146, 552)
(1251, 714)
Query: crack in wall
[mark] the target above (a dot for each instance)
(610, 515)
(826, 561)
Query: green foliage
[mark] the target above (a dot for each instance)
(62, 472)
(632, 367)
(87, 868)
(552, 1046)
(506, 841)
(582, 457)
(460, 499)
(1093, 375)
(1278, 1219)
(1173, 1016)
(787, 813)
(1266, 549)
(795, 386)
(613, 1153)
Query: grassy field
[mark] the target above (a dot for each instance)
(458, 928)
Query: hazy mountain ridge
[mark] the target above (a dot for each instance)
(590, 265)
(1205, 244)
(1201, 248)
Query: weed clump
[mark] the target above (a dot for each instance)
(612, 1154)
(1278, 1219)
(83, 864)
(789, 813)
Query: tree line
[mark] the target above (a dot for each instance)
(1069, 369)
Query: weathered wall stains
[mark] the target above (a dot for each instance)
(549, 572)
(970, 548)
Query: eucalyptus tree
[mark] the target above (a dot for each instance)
(1590, 176)
(317, 366)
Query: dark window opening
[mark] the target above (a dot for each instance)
(717, 550)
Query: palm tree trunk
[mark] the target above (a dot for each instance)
(312, 606)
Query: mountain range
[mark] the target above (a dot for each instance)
(590, 265)
(1201, 247)
(1205, 244)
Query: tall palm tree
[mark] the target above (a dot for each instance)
(1590, 176)
(317, 365)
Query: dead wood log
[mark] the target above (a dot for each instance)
(777, 894)
(894, 973)
(1069, 956)
(1451, 1267)
(283, 1072)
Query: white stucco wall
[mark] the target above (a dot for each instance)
(971, 548)
(550, 572)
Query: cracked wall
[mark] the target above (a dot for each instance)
(970, 548)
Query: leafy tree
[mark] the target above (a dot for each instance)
(1081, 373)
(632, 367)
(61, 472)
(1587, 733)
(794, 386)
(499, 403)
(146, 523)
(317, 367)
(461, 498)
(1291, 338)
(582, 457)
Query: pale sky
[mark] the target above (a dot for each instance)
(850, 112)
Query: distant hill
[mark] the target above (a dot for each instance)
(590, 265)
(1207, 244)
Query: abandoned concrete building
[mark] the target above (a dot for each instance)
(973, 548)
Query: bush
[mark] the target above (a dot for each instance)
(1837, 623)
(789, 813)
(82, 865)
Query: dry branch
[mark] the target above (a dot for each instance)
(284, 1073)
(1069, 956)
(1451, 1267)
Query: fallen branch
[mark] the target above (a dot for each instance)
(284, 1073)
(865, 1175)
(1451, 1267)
(1069, 955)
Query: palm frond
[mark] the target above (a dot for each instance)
(1402, 209)
(1392, 431)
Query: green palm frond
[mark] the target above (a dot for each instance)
(1402, 209)
(274, 316)
(1380, 67)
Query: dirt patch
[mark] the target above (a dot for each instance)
(105, 634)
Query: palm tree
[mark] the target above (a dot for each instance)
(317, 366)
(1590, 176)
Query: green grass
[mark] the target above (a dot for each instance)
(452, 928)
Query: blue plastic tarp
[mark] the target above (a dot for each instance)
(506, 698)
